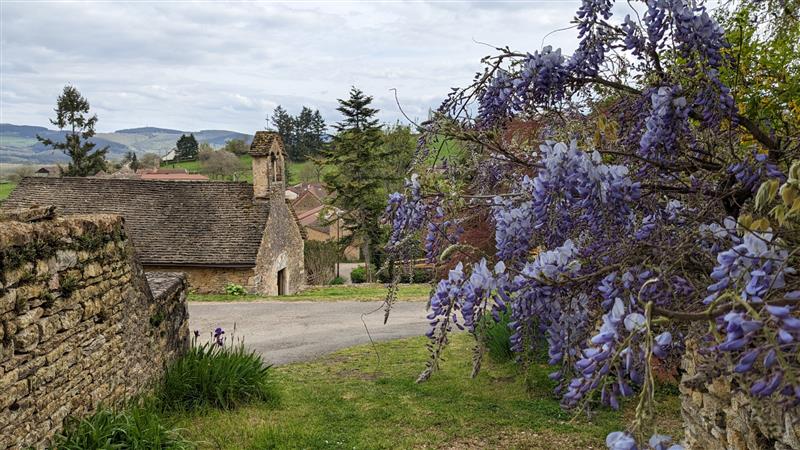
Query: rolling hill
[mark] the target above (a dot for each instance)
(18, 144)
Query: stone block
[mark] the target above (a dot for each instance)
(29, 318)
(65, 259)
(29, 291)
(13, 276)
(42, 376)
(54, 283)
(8, 301)
(26, 339)
(48, 327)
(13, 393)
(70, 318)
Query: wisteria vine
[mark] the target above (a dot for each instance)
(611, 248)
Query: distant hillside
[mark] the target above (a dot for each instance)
(149, 130)
(18, 143)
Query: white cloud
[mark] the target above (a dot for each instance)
(226, 65)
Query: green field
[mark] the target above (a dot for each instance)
(365, 397)
(5, 190)
(295, 168)
(360, 293)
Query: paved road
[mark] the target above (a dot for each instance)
(285, 332)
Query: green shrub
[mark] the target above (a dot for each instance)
(420, 276)
(137, 427)
(235, 289)
(337, 281)
(497, 337)
(218, 376)
(358, 275)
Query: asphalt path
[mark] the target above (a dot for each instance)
(286, 332)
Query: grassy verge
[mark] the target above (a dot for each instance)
(361, 293)
(352, 400)
(5, 190)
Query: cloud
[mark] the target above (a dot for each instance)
(227, 65)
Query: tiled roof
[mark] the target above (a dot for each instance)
(161, 170)
(169, 222)
(172, 176)
(310, 216)
(263, 142)
(315, 188)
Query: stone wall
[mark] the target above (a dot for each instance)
(717, 418)
(79, 324)
(281, 249)
(211, 280)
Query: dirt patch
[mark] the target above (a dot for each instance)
(508, 379)
(533, 440)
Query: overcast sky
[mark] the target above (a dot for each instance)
(213, 65)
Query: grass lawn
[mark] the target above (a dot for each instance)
(362, 293)
(5, 190)
(352, 400)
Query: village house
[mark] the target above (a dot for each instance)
(216, 232)
(48, 171)
(319, 221)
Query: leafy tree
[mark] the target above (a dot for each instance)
(150, 161)
(222, 164)
(399, 144)
(21, 172)
(187, 148)
(72, 111)
(308, 173)
(237, 147)
(667, 215)
(204, 152)
(355, 162)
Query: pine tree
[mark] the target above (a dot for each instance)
(283, 124)
(303, 135)
(72, 110)
(319, 130)
(354, 161)
(187, 148)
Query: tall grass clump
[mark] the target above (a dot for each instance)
(216, 375)
(497, 338)
(136, 427)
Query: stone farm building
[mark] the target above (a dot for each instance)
(215, 232)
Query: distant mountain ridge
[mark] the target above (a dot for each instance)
(18, 143)
(152, 130)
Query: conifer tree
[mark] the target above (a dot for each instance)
(188, 148)
(355, 176)
(282, 122)
(72, 112)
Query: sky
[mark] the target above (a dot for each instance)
(226, 65)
